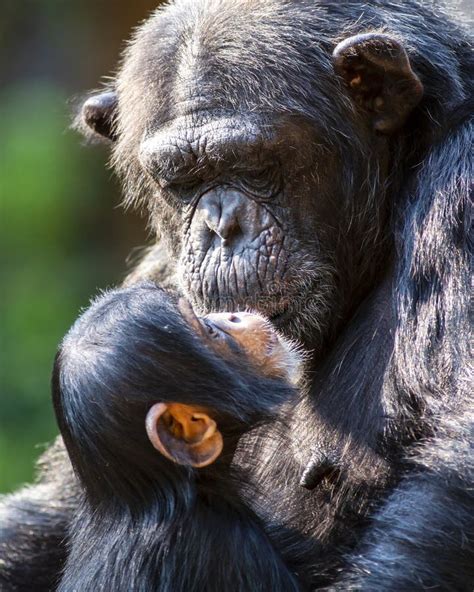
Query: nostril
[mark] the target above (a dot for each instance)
(234, 318)
(227, 228)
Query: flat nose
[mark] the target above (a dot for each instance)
(236, 321)
(222, 213)
(233, 317)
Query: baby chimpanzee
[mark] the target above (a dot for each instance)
(149, 519)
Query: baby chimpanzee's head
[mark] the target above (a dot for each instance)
(139, 373)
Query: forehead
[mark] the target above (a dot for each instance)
(229, 56)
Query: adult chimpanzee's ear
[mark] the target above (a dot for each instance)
(99, 113)
(378, 73)
(184, 434)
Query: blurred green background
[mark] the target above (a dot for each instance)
(62, 235)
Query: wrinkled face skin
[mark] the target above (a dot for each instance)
(241, 245)
(256, 192)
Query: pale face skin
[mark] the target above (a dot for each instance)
(272, 353)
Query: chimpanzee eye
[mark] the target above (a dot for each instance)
(183, 187)
(211, 330)
(262, 181)
(257, 178)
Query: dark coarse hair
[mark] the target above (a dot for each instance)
(186, 529)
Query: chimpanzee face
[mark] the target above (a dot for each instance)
(265, 183)
(240, 244)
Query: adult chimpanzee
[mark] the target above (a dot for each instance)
(203, 384)
(312, 160)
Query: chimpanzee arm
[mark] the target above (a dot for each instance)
(33, 526)
(422, 538)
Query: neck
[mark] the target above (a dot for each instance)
(207, 541)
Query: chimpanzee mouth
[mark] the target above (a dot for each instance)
(292, 304)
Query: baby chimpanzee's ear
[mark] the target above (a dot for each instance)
(184, 434)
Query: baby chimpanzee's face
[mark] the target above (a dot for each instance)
(252, 334)
(188, 434)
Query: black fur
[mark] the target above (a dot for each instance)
(387, 312)
(33, 525)
(147, 523)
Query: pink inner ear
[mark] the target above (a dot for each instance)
(197, 455)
